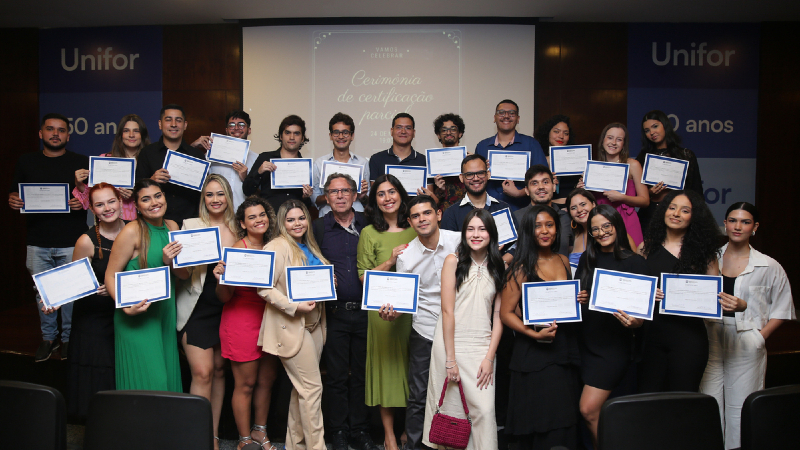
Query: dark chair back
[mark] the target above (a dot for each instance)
(662, 421)
(770, 419)
(32, 417)
(135, 420)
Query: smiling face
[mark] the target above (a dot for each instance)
(424, 218)
(256, 221)
(105, 205)
(579, 207)
(477, 235)
(603, 232)
(54, 134)
(613, 142)
(340, 202)
(388, 198)
(131, 135)
(448, 134)
(540, 189)
(506, 117)
(172, 124)
(559, 134)
(544, 230)
(292, 138)
(214, 197)
(679, 213)
(151, 203)
(296, 224)
(340, 141)
(655, 132)
(403, 131)
(739, 226)
(477, 170)
(237, 128)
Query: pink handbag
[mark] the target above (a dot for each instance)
(450, 431)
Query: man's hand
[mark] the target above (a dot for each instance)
(266, 166)
(203, 142)
(510, 189)
(161, 176)
(14, 201)
(240, 169)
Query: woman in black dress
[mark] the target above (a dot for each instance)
(684, 239)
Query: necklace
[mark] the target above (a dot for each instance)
(480, 266)
(251, 244)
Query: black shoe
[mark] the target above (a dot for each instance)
(46, 348)
(340, 441)
(361, 440)
(64, 350)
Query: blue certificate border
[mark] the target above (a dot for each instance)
(229, 138)
(650, 306)
(131, 161)
(289, 271)
(36, 211)
(173, 235)
(370, 273)
(507, 212)
(677, 312)
(434, 150)
(648, 157)
(526, 313)
(226, 282)
(589, 187)
(337, 163)
(43, 293)
(508, 152)
(171, 153)
(401, 167)
(588, 148)
(310, 163)
(119, 275)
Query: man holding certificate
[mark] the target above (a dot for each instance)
(183, 202)
(475, 176)
(540, 188)
(50, 236)
(449, 129)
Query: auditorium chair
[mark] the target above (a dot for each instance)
(32, 417)
(770, 419)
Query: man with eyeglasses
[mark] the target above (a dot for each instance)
(337, 234)
(342, 131)
(401, 152)
(237, 125)
(506, 118)
(540, 187)
(449, 129)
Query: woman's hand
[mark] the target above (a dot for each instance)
(628, 321)
(219, 270)
(580, 184)
(657, 189)
(102, 290)
(395, 253)
(614, 196)
(546, 334)
(125, 193)
(305, 307)
(137, 309)
(307, 190)
(730, 303)
(485, 374)
(583, 297)
(659, 294)
(170, 251)
(47, 310)
(388, 313)
(452, 372)
(80, 177)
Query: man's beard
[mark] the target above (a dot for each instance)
(54, 148)
(473, 192)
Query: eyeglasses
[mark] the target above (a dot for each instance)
(445, 130)
(504, 113)
(606, 228)
(337, 133)
(334, 192)
(471, 175)
(237, 125)
(401, 127)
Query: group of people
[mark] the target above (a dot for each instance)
(534, 385)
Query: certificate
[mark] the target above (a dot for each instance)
(355, 171)
(606, 176)
(310, 283)
(146, 284)
(118, 172)
(291, 173)
(445, 161)
(66, 283)
(186, 171)
(401, 290)
(573, 267)
(227, 149)
(546, 301)
(200, 246)
(569, 159)
(508, 164)
(506, 231)
(691, 295)
(634, 294)
(671, 171)
(248, 267)
(411, 177)
(44, 197)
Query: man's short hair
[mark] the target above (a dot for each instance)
(58, 116)
(336, 175)
(238, 115)
(472, 157)
(171, 106)
(512, 102)
(288, 121)
(419, 199)
(536, 169)
(402, 116)
(343, 118)
(449, 117)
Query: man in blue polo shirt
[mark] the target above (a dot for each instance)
(506, 118)
(401, 152)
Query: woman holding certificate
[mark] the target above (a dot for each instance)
(556, 131)
(579, 203)
(387, 342)
(144, 334)
(545, 379)
(295, 331)
(756, 300)
(685, 240)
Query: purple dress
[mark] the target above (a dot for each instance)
(627, 212)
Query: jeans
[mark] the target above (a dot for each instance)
(38, 260)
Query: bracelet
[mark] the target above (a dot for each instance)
(449, 367)
(446, 360)
(490, 360)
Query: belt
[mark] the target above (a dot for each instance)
(347, 306)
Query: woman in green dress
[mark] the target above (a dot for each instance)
(387, 342)
(145, 336)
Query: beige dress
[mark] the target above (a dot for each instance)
(473, 334)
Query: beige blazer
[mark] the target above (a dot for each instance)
(282, 327)
(188, 291)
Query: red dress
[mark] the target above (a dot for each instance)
(240, 324)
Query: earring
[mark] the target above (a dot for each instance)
(754, 233)
(573, 225)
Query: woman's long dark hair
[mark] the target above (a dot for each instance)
(674, 145)
(257, 200)
(701, 243)
(374, 214)
(526, 257)
(144, 232)
(494, 262)
(542, 133)
(622, 248)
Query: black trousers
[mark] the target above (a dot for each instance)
(419, 363)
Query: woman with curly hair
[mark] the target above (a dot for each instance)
(685, 241)
(554, 132)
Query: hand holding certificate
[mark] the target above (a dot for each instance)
(248, 267)
(66, 283)
(671, 171)
(506, 231)
(310, 284)
(199, 246)
(185, 170)
(508, 164)
(411, 177)
(291, 173)
(569, 159)
(118, 172)
(401, 290)
(691, 295)
(606, 176)
(227, 149)
(631, 293)
(547, 301)
(445, 161)
(44, 197)
(147, 284)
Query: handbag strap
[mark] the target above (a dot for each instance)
(460, 389)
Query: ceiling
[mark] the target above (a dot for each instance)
(85, 13)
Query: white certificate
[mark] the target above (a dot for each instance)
(44, 197)
(569, 159)
(546, 301)
(691, 295)
(248, 267)
(671, 171)
(228, 149)
(411, 177)
(401, 290)
(66, 283)
(310, 283)
(632, 293)
(199, 246)
(445, 161)
(508, 164)
(145, 284)
(291, 173)
(355, 171)
(185, 170)
(118, 172)
(606, 176)
(506, 231)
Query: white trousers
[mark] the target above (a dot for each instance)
(737, 363)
